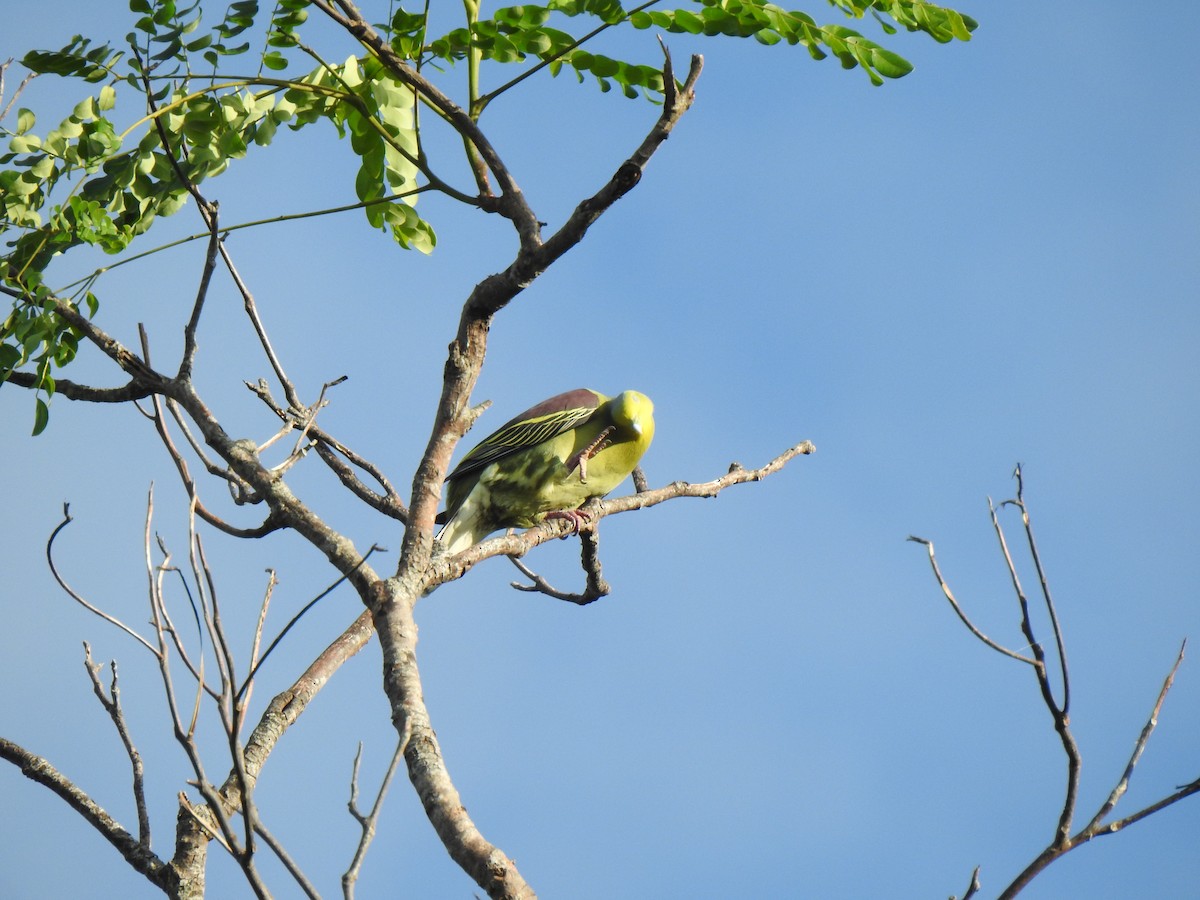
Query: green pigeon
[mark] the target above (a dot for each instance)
(546, 463)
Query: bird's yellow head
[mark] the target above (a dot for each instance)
(633, 411)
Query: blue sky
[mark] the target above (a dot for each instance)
(992, 260)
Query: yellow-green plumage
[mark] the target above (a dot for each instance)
(551, 458)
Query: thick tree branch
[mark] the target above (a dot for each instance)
(493, 294)
(64, 387)
(486, 864)
(139, 857)
(195, 826)
(511, 203)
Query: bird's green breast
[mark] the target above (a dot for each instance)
(523, 487)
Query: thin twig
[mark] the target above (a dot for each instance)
(937, 573)
(160, 615)
(1062, 723)
(1041, 573)
(227, 706)
(1138, 747)
(973, 887)
(112, 705)
(368, 822)
(290, 864)
(296, 618)
(17, 93)
(389, 503)
(243, 699)
(596, 586)
(112, 620)
(210, 214)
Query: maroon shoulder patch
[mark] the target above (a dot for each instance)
(577, 399)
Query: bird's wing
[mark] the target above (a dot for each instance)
(536, 425)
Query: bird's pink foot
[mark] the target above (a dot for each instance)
(580, 459)
(577, 517)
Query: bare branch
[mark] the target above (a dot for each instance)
(284, 857)
(1063, 842)
(1138, 747)
(973, 887)
(448, 568)
(296, 618)
(1062, 722)
(328, 448)
(1186, 790)
(210, 214)
(36, 768)
(17, 93)
(368, 821)
(596, 587)
(112, 620)
(134, 390)
(243, 696)
(112, 705)
(197, 825)
(1019, 502)
(937, 573)
(159, 615)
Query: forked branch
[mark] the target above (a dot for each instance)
(1064, 841)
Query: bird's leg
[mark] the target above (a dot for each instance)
(580, 459)
(577, 517)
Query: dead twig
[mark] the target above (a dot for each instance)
(368, 821)
(112, 705)
(1063, 841)
(596, 586)
(74, 595)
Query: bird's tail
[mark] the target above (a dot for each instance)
(461, 532)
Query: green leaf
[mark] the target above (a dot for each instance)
(25, 120)
(889, 64)
(41, 417)
(29, 143)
